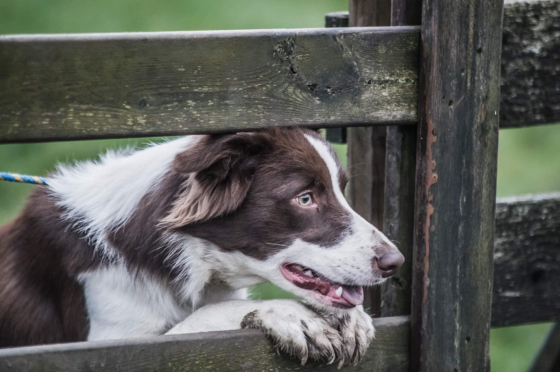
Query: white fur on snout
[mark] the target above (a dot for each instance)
(349, 260)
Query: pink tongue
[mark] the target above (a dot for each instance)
(354, 295)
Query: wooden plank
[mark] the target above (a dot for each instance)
(366, 147)
(245, 350)
(527, 260)
(364, 13)
(336, 19)
(530, 93)
(60, 87)
(406, 12)
(400, 169)
(548, 358)
(455, 185)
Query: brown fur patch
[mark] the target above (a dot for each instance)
(40, 255)
(222, 169)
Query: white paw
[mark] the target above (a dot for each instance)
(307, 334)
(297, 330)
(356, 328)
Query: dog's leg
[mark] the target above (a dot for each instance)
(294, 327)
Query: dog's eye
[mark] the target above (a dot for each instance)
(305, 200)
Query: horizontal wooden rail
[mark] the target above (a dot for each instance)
(62, 87)
(530, 93)
(527, 260)
(245, 350)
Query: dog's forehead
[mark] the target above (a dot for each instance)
(313, 153)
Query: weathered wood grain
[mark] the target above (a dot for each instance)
(366, 147)
(245, 350)
(366, 187)
(59, 87)
(365, 13)
(530, 86)
(400, 169)
(548, 358)
(527, 260)
(406, 12)
(530, 93)
(336, 19)
(455, 185)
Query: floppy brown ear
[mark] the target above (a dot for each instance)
(222, 169)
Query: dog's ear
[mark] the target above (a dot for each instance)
(221, 169)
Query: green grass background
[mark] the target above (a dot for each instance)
(529, 159)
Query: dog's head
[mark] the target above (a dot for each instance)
(274, 201)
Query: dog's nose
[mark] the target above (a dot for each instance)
(389, 262)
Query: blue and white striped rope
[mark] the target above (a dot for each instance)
(15, 177)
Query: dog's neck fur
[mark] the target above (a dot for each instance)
(102, 196)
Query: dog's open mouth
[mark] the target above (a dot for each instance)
(331, 293)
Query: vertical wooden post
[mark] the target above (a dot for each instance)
(406, 12)
(370, 13)
(366, 147)
(456, 185)
(336, 19)
(400, 169)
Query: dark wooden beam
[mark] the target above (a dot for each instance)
(530, 93)
(527, 261)
(455, 185)
(406, 12)
(400, 169)
(61, 87)
(245, 350)
(365, 13)
(336, 19)
(366, 147)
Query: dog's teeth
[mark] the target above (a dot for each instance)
(298, 267)
(308, 272)
(339, 291)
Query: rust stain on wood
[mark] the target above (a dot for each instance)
(432, 178)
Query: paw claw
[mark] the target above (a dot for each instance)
(341, 364)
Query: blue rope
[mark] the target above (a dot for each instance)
(15, 177)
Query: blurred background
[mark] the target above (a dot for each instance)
(529, 159)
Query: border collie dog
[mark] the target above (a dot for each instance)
(166, 240)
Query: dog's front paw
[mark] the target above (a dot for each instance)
(356, 328)
(298, 331)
